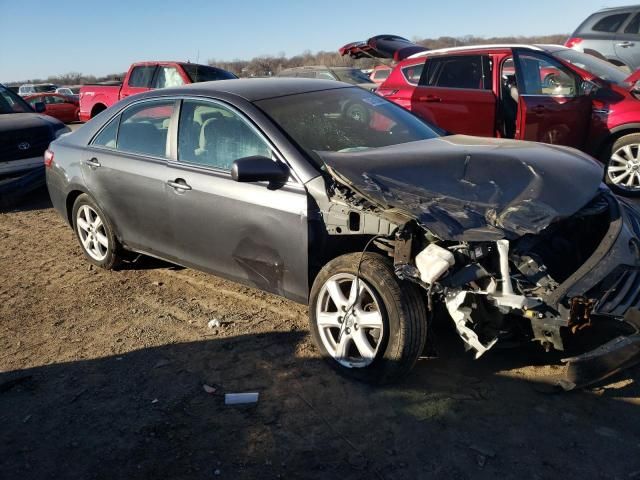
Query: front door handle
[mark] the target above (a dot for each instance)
(92, 162)
(179, 184)
(624, 44)
(539, 110)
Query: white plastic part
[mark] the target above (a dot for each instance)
(433, 262)
(240, 398)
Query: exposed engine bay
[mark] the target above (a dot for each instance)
(501, 261)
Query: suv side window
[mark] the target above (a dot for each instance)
(412, 73)
(459, 71)
(167, 77)
(144, 128)
(212, 135)
(610, 23)
(325, 76)
(141, 76)
(539, 75)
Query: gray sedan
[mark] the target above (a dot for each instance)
(375, 220)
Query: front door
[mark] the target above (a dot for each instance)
(248, 232)
(455, 93)
(551, 106)
(125, 170)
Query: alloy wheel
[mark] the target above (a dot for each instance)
(349, 320)
(92, 233)
(623, 169)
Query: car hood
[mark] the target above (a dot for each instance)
(382, 46)
(16, 122)
(469, 188)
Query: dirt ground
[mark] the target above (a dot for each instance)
(102, 374)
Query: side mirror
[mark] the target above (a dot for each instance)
(259, 169)
(39, 107)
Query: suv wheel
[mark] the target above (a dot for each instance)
(372, 328)
(95, 233)
(622, 165)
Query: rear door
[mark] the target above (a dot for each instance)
(250, 232)
(455, 93)
(140, 80)
(551, 107)
(125, 170)
(627, 43)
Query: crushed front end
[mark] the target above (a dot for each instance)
(497, 233)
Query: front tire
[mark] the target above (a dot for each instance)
(95, 233)
(372, 329)
(622, 165)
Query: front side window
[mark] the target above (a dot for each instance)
(460, 71)
(167, 77)
(144, 128)
(344, 120)
(212, 135)
(141, 76)
(610, 23)
(539, 75)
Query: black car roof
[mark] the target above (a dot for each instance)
(253, 89)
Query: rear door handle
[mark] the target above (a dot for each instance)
(92, 162)
(179, 184)
(624, 44)
(429, 98)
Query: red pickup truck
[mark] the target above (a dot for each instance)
(145, 76)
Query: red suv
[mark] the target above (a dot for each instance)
(543, 93)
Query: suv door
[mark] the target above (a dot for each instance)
(140, 80)
(455, 92)
(125, 171)
(627, 42)
(551, 106)
(249, 232)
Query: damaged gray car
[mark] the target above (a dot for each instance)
(375, 219)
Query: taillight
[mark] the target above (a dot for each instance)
(572, 42)
(386, 92)
(48, 158)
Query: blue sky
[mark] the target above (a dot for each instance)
(100, 37)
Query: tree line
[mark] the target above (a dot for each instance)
(267, 65)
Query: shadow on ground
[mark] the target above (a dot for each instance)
(145, 414)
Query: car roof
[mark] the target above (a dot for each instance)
(621, 7)
(484, 48)
(253, 89)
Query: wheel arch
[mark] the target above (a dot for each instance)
(98, 108)
(73, 195)
(615, 134)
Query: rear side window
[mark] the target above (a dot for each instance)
(460, 71)
(610, 23)
(144, 128)
(412, 73)
(107, 137)
(382, 74)
(633, 27)
(212, 135)
(141, 76)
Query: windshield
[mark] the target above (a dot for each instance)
(44, 88)
(599, 68)
(202, 73)
(344, 120)
(12, 103)
(352, 75)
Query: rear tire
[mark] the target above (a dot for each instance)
(387, 320)
(95, 233)
(622, 165)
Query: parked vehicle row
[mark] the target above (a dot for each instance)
(544, 93)
(62, 107)
(377, 222)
